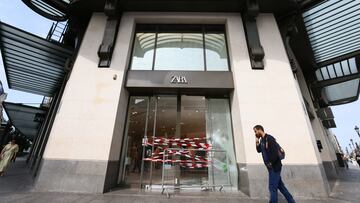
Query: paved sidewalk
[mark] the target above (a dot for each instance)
(16, 186)
(347, 187)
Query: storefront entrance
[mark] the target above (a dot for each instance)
(178, 141)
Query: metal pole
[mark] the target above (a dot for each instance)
(352, 142)
(153, 137)
(163, 169)
(144, 143)
(351, 150)
(178, 135)
(211, 141)
(228, 168)
(357, 130)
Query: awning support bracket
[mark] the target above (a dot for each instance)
(106, 48)
(256, 51)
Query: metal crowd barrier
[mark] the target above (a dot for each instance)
(183, 168)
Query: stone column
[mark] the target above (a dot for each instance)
(79, 155)
(327, 154)
(271, 98)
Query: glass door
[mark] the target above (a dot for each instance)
(178, 140)
(164, 128)
(149, 119)
(194, 162)
(136, 129)
(223, 169)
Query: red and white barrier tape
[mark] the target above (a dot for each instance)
(178, 144)
(175, 160)
(162, 139)
(184, 153)
(194, 165)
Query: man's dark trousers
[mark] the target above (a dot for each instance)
(276, 183)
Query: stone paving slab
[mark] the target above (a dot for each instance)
(87, 198)
(16, 187)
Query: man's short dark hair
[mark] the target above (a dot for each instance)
(259, 127)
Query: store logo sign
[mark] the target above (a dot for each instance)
(178, 80)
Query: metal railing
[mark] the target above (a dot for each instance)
(57, 32)
(46, 102)
(204, 169)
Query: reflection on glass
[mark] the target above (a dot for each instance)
(345, 67)
(318, 75)
(325, 73)
(135, 130)
(331, 71)
(342, 90)
(216, 53)
(192, 133)
(353, 66)
(193, 125)
(179, 51)
(166, 122)
(148, 149)
(143, 51)
(223, 170)
(166, 116)
(338, 69)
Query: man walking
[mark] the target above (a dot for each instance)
(267, 146)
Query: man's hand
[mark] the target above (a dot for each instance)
(257, 141)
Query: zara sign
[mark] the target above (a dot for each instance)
(167, 81)
(178, 80)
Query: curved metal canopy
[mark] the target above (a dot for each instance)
(340, 82)
(56, 10)
(332, 28)
(32, 64)
(26, 119)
